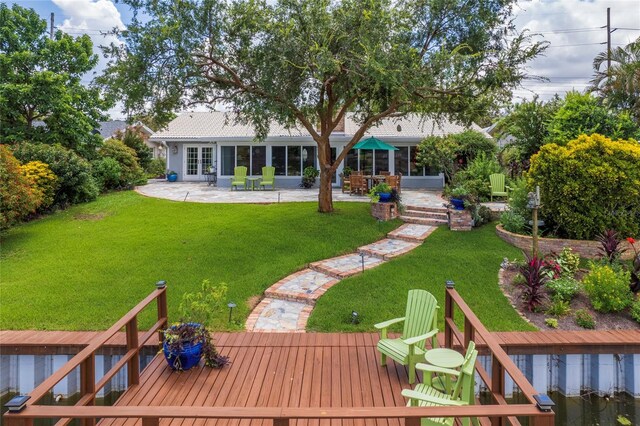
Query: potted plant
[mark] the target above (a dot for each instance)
(380, 193)
(172, 176)
(458, 195)
(186, 342)
(309, 176)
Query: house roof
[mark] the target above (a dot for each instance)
(109, 128)
(216, 125)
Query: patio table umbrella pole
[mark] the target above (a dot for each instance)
(374, 144)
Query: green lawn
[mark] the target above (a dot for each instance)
(471, 259)
(82, 269)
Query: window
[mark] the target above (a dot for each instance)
(279, 159)
(242, 156)
(228, 160)
(308, 157)
(293, 161)
(258, 159)
(352, 159)
(414, 170)
(381, 161)
(401, 160)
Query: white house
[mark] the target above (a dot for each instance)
(201, 141)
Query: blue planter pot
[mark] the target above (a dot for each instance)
(458, 203)
(385, 197)
(188, 357)
(172, 178)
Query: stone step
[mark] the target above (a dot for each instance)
(426, 215)
(346, 266)
(438, 209)
(275, 315)
(305, 286)
(423, 221)
(412, 232)
(388, 248)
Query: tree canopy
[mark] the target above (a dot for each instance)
(40, 82)
(307, 63)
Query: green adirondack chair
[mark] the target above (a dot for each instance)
(239, 177)
(268, 177)
(420, 323)
(497, 186)
(463, 393)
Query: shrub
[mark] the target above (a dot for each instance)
(589, 185)
(534, 279)
(558, 308)
(157, 167)
(564, 288)
(17, 198)
(106, 172)
(44, 182)
(584, 319)
(512, 221)
(551, 322)
(130, 171)
(76, 184)
(134, 138)
(519, 198)
(476, 176)
(480, 214)
(201, 306)
(607, 288)
(635, 310)
(568, 261)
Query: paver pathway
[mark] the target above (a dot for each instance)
(289, 302)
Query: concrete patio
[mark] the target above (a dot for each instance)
(199, 192)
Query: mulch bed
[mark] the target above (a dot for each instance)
(611, 321)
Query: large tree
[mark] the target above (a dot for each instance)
(619, 86)
(307, 63)
(40, 82)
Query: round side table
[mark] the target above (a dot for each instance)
(444, 358)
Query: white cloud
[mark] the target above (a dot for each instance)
(568, 62)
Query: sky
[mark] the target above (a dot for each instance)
(575, 29)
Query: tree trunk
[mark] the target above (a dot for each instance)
(325, 195)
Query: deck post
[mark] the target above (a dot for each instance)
(162, 308)
(497, 385)
(133, 365)
(412, 421)
(281, 422)
(469, 332)
(88, 384)
(150, 421)
(448, 313)
(17, 421)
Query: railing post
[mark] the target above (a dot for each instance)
(497, 385)
(150, 421)
(549, 420)
(281, 422)
(412, 421)
(448, 313)
(88, 384)
(17, 421)
(133, 365)
(162, 307)
(469, 332)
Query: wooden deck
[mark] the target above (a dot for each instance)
(277, 370)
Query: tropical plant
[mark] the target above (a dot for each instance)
(619, 84)
(437, 58)
(569, 262)
(76, 183)
(563, 288)
(476, 175)
(608, 289)
(41, 83)
(381, 188)
(17, 199)
(533, 272)
(558, 308)
(584, 319)
(635, 266)
(588, 186)
(610, 249)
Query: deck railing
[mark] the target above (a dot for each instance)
(498, 413)
(85, 360)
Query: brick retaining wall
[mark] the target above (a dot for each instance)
(585, 248)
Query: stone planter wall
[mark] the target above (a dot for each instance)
(384, 211)
(460, 220)
(585, 248)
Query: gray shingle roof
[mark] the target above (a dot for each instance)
(217, 125)
(109, 128)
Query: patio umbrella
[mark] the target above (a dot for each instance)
(374, 143)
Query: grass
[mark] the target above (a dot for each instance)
(83, 268)
(470, 259)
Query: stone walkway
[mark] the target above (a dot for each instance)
(289, 302)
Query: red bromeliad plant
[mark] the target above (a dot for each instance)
(635, 271)
(535, 276)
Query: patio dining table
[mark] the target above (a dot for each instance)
(373, 180)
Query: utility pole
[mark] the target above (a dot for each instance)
(51, 29)
(608, 39)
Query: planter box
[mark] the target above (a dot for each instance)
(384, 211)
(460, 220)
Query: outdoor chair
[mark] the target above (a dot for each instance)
(357, 184)
(268, 177)
(393, 182)
(420, 322)
(385, 173)
(346, 183)
(497, 186)
(239, 177)
(463, 393)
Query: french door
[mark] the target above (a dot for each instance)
(197, 160)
